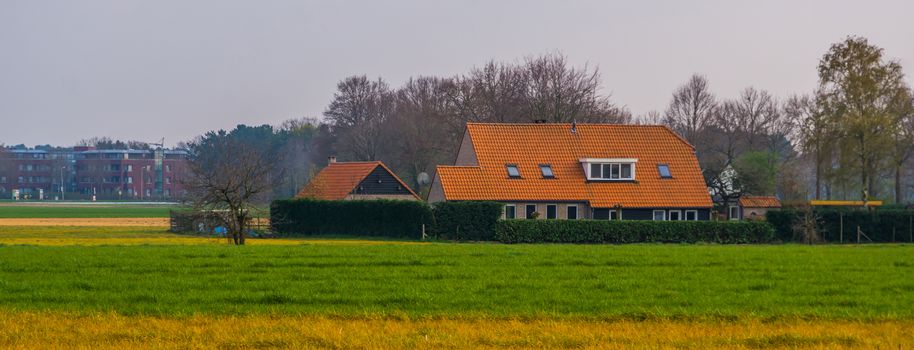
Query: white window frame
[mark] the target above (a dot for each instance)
(556, 206)
(678, 212)
(654, 215)
(613, 213)
(577, 212)
(730, 213)
(609, 164)
(512, 206)
(686, 215)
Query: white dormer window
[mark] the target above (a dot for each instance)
(609, 169)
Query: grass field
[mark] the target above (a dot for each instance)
(120, 287)
(8, 210)
(458, 280)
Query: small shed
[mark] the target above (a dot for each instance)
(754, 207)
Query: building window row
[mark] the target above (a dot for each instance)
(675, 215)
(531, 211)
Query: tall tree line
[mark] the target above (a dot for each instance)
(851, 137)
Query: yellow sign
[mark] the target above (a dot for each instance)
(816, 202)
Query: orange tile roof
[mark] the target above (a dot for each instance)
(759, 202)
(529, 145)
(338, 180)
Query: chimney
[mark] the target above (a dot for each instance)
(539, 121)
(331, 159)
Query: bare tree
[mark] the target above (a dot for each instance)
(419, 136)
(692, 108)
(357, 114)
(229, 177)
(559, 93)
(756, 112)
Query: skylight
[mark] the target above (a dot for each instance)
(664, 171)
(546, 169)
(512, 170)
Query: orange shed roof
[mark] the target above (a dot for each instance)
(338, 180)
(759, 202)
(529, 145)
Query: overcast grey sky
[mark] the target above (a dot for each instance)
(149, 69)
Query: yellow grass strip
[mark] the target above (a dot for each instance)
(27, 330)
(138, 235)
(85, 222)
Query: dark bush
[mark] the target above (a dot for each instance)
(382, 218)
(467, 221)
(599, 231)
(880, 225)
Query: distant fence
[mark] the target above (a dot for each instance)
(845, 225)
(206, 222)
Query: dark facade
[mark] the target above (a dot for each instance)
(380, 182)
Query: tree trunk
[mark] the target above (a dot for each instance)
(818, 177)
(898, 188)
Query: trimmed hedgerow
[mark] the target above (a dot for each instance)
(599, 231)
(879, 224)
(380, 218)
(467, 221)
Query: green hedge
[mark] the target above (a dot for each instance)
(881, 225)
(382, 218)
(600, 231)
(467, 221)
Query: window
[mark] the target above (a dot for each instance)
(512, 170)
(546, 169)
(168, 168)
(613, 214)
(659, 215)
(675, 215)
(596, 171)
(129, 179)
(572, 212)
(734, 213)
(531, 211)
(129, 167)
(552, 211)
(510, 211)
(691, 215)
(2, 179)
(168, 181)
(626, 171)
(610, 168)
(664, 171)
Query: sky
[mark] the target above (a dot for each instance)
(144, 70)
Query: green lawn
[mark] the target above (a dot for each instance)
(454, 280)
(85, 211)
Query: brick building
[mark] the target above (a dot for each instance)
(84, 172)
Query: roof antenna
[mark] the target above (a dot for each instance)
(574, 126)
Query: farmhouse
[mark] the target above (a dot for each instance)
(574, 171)
(356, 180)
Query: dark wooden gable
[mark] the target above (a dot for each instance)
(380, 181)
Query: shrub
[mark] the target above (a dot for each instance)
(473, 221)
(599, 231)
(383, 218)
(880, 225)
